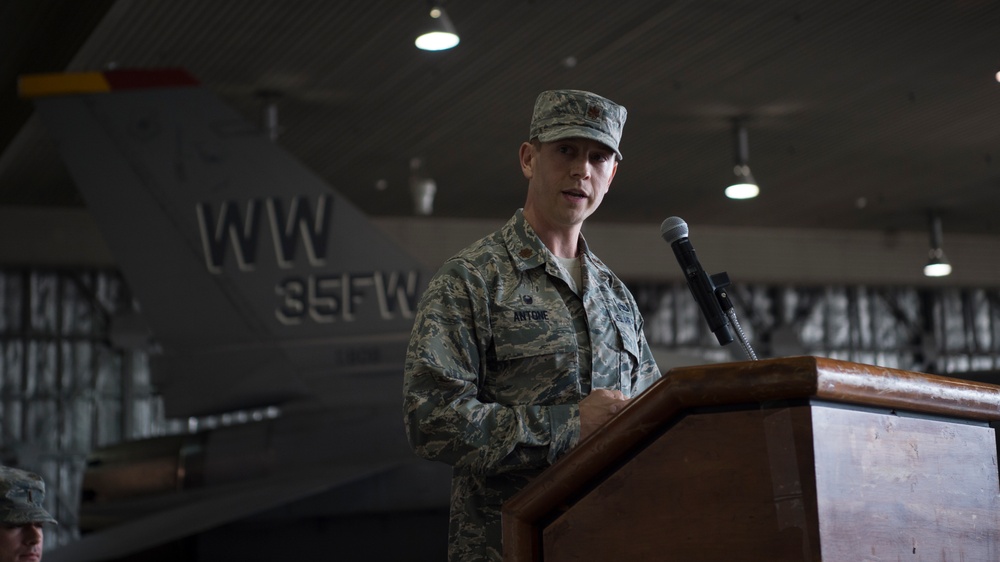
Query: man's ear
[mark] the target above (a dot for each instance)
(613, 172)
(527, 157)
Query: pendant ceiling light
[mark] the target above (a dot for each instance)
(422, 188)
(438, 33)
(744, 186)
(937, 263)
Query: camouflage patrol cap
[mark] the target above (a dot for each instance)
(563, 114)
(21, 497)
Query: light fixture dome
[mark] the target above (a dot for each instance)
(439, 33)
(937, 264)
(744, 186)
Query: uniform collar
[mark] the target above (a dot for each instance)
(526, 249)
(524, 246)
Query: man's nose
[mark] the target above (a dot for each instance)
(33, 534)
(581, 167)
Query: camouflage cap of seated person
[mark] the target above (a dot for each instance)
(563, 114)
(21, 497)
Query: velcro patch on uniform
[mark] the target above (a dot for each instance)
(626, 316)
(530, 315)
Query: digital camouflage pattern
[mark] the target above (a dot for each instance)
(21, 497)
(501, 353)
(564, 114)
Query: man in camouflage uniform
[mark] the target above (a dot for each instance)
(21, 515)
(524, 343)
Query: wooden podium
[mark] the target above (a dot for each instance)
(794, 459)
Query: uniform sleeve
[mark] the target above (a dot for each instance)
(445, 420)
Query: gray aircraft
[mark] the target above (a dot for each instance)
(263, 288)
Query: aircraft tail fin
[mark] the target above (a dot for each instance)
(261, 282)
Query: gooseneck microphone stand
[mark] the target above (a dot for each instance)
(721, 281)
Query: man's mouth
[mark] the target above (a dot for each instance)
(575, 194)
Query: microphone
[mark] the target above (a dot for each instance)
(675, 231)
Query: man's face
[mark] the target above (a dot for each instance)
(567, 179)
(21, 543)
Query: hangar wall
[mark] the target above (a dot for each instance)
(74, 373)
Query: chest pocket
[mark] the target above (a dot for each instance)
(616, 353)
(534, 359)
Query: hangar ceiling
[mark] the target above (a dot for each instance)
(861, 115)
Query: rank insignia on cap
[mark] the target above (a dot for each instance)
(565, 114)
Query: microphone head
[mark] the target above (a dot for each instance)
(673, 229)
